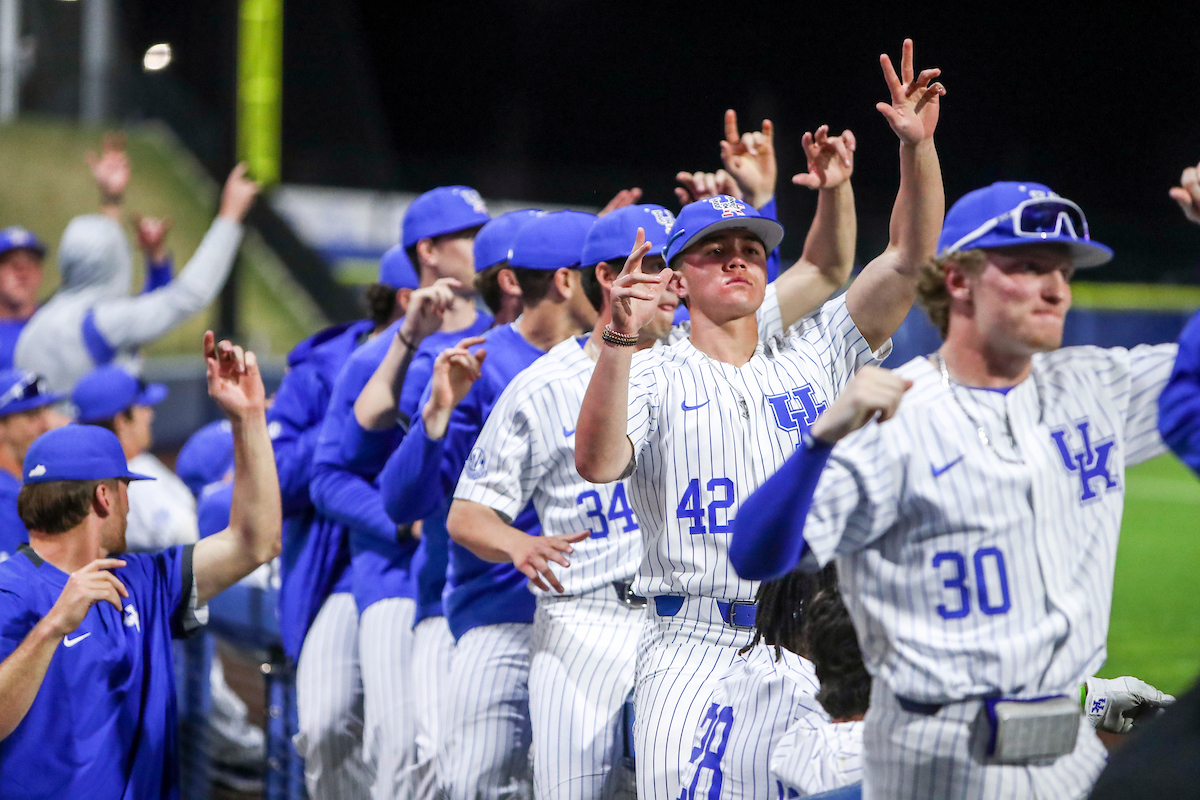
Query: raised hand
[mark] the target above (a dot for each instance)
(110, 168)
(234, 381)
(426, 308)
(85, 587)
(454, 371)
(750, 159)
(913, 111)
(703, 185)
(635, 294)
(238, 194)
(830, 159)
(533, 554)
(625, 197)
(873, 393)
(152, 236)
(1187, 193)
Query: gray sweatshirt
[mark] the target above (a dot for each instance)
(92, 320)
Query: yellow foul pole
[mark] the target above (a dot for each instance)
(260, 80)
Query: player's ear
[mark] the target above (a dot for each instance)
(606, 274)
(678, 284)
(563, 281)
(402, 297)
(508, 282)
(425, 251)
(958, 284)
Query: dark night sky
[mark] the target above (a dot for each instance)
(569, 102)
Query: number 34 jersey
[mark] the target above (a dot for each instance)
(706, 434)
(975, 568)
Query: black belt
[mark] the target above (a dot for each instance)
(917, 707)
(626, 596)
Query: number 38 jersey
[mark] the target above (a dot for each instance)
(973, 569)
(706, 434)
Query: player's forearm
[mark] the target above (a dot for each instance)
(481, 530)
(602, 448)
(920, 206)
(410, 484)
(347, 498)
(768, 533)
(375, 408)
(827, 260)
(255, 514)
(22, 673)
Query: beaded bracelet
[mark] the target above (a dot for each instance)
(617, 339)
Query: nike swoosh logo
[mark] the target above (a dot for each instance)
(936, 471)
(567, 434)
(69, 642)
(686, 407)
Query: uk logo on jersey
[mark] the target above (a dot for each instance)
(728, 206)
(132, 620)
(476, 466)
(794, 408)
(1090, 462)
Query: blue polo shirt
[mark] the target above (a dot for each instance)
(103, 724)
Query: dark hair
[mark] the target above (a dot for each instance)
(57, 506)
(110, 423)
(381, 303)
(833, 648)
(778, 620)
(487, 284)
(591, 286)
(535, 283)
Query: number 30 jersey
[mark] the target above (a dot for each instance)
(973, 569)
(706, 434)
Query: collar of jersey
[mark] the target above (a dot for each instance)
(44, 568)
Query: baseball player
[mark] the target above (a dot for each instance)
(976, 521)
(576, 697)
(26, 412)
(438, 228)
(316, 552)
(1179, 422)
(21, 273)
(699, 425)
(87, 696)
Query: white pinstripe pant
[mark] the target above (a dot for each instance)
(679, 661)
(581, 671)
(433, 647)
(485, 753)
(385, 649)
(909, 755)
(329, 704)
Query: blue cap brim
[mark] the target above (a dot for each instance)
(136, 476)
(768, 230)
(17, 406)
(151, 395)
(1084, 253)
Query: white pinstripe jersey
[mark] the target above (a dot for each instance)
(815, 756)
(530, 441)
(754, 702)
(706, 434)
(966, 574)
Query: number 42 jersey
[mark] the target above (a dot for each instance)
(706, 434)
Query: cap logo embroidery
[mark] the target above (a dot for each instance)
(728, 206)
(38, 471)
(473, 199)
(664, 218)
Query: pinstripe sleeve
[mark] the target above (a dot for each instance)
(857, 496)
(645, 399)
(1149, 369)
(848, 351)
(509, 467)
(770, 323)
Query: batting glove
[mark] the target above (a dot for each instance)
(1116, 705)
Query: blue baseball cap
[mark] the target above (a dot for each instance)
(443, 210)
(396, 270)
(1012, 213)
(206, 456)
(551, 241)
(77, 453)
(18, 238)
(612, 236)
(23, 391)
(699, 219)
(107, 391)
(495, 239)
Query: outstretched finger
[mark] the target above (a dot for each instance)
(471, 341)
(102, 563)
(930, 96)
(115, 582)
(550, 577)
(889, 76)
(848, 138)
(768, 132)
(640, 248)
(749, 143)
(731, 127)
(906, 61)
(210, 346)
(822, 135)
(840, 148)
(682, 196)
(575, 537)
(924, 78)
(806, 143)
(534, 578)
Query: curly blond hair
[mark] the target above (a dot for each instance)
(932, 295)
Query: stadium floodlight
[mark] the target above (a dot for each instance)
(157, 57)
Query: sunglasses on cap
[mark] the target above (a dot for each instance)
(25, 389)
(1036, 218)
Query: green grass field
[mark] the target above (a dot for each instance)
(1155, 632)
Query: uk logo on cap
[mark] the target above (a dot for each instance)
(473, 199)
(728, 206)
(664, 218)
